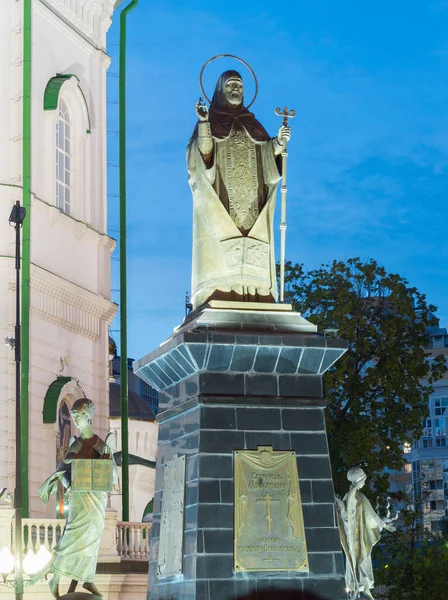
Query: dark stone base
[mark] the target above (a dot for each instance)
(263, 390)
(80, 596)
(208, 432)
(222, 589)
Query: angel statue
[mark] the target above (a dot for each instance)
(76, 553)
(360, 529)
(234, 167)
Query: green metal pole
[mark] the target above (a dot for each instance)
(123, 273)
(26, 202)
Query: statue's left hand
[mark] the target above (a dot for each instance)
(284, 133)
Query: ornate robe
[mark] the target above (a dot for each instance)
(233, 212)
(360, 528)
(75, 555)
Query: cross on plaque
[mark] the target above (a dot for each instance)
(268, 499)
(270, 559)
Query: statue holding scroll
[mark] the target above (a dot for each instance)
(87, 472)
(360, 529)
(234, 170)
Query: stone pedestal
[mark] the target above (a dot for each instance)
(235, 380)
(108, 552)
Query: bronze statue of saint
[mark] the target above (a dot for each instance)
(76, 553)
(233, 172)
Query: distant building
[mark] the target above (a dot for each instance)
(142, 410)
(428, 457)
(136, 385)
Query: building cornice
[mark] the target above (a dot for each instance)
(68, 305)
(88, 20)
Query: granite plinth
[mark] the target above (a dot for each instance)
(242, 389)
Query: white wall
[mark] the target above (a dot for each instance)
(70, 255)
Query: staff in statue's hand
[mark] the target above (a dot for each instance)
(284, 135)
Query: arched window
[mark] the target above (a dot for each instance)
(63, 158)
(62, 445)
(67, 179)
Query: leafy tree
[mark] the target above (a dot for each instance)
(377, 393)
(412, 562)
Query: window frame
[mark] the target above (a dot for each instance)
(64, 154)
(71, 93)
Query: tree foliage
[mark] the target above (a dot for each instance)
(377, 393)
(412, 563)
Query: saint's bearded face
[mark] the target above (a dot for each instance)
(234, 91)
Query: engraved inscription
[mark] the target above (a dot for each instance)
(81, 475)
(170, 561)
(92, 475)
(102, 475)
(269, 532)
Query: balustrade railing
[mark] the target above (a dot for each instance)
(133, 540)
(41, 532)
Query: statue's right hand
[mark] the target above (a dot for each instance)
(202, 112)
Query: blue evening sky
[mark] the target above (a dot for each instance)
(368, 159)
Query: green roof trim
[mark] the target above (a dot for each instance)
(53, 88)
(49, 412)
(51, 94)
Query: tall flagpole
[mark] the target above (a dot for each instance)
(286, 115)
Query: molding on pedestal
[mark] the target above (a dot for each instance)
(293, 348)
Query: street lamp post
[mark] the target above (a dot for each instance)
(16, 219)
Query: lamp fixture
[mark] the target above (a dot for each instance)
(11, 342)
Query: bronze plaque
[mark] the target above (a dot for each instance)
(92, 475)
(269, 533)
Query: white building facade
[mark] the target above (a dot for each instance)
(70, 307)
